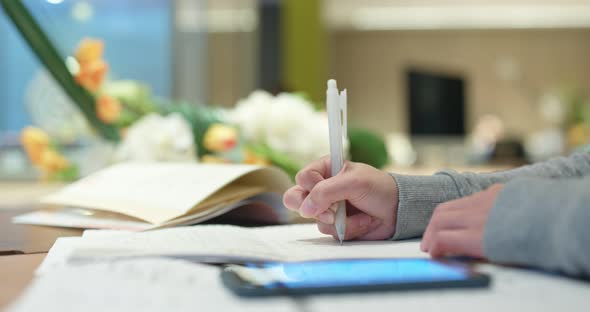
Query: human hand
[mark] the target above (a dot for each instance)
(457, 227)
(371, 196)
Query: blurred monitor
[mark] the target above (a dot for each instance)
(436, 103)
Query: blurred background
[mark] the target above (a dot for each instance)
(446, 83)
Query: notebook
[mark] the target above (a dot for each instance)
(144, 196)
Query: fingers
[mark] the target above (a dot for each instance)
(313, 173)
(457, 227)
(327, 192)
(456, 242)
(443, 218)
(356, 226)
(293, 197)
(327, 217)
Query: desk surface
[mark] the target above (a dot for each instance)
(16, 272)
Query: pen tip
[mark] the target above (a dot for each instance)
(341, 241)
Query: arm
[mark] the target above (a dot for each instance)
(419, 195)
(541, 223)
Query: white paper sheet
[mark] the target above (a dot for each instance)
(224, 243)
(175, 285)
(142, 285)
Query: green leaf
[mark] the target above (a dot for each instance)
(69, 174)
(40, 44)
(367, 147)
(276, 158)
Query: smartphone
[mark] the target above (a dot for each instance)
(342, 276)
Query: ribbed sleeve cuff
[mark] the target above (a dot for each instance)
(418, 196)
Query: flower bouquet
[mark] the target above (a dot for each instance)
(283, 130)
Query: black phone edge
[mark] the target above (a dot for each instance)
(242, 288)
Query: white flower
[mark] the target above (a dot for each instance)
(158, 138)
(286, 122)
(318, 134)
(250, 115)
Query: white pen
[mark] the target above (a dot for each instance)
(337, 106)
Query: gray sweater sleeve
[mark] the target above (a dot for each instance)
(419, 195)
(542, 223)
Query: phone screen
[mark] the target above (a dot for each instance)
(317, 274)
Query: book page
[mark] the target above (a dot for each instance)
(305, 242)
(159, 192)
(204, 243)
(224, 243)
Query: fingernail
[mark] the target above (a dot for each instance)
(326, 217)
(307, 209)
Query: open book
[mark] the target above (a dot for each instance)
(142, 196)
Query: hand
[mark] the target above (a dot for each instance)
(456, 227)
(371, 196)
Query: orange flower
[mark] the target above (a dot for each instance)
(108, 109)
(220, 138)
(34, 141)
(93, 68)
(92, 74)
(89, 50)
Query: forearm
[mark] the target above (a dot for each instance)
(419, 195)
(417, 198)
(542, 223)
(574, 166)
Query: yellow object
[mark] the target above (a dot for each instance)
(578, 135)
(211, 159)
(34, 141)
(108, 109)
(89, 50)
(39, 150)
(52, 162)
(220, 138)
(251, 158)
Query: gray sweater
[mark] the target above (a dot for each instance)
(541, 217)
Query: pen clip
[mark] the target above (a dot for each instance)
(343, 103)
